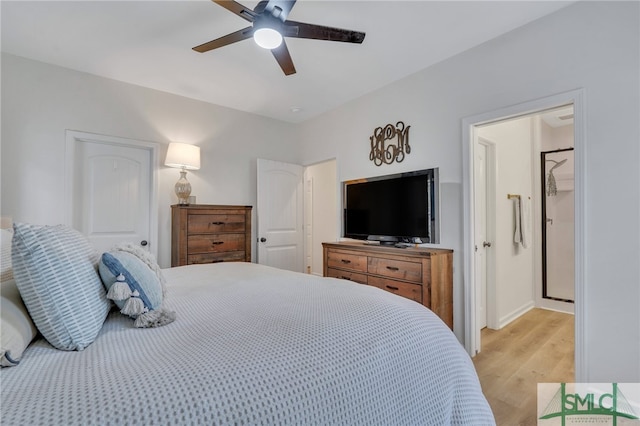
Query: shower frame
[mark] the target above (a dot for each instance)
(543, 178)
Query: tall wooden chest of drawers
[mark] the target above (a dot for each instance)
(202, 233)
(421, 274)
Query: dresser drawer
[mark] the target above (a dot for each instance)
(215, 243)
(410, 291)
(342, 260)
(392, 268)
(215, 223)
(347, 275)
(227, 256)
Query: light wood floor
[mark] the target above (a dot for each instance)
(536, 348)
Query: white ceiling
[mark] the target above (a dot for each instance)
(558, 117)
(148, 43)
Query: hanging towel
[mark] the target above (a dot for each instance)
(517, 214)
(521, 213)
(525, 221)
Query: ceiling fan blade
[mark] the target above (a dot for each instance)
(321, 32)
(281, 53)
(239, 35)
(280, 8)
(238, 9)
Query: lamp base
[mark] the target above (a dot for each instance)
(183, 188)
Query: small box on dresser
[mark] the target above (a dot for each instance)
(424, 275)
(203, 233)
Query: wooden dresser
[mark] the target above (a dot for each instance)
(421, 274)
(202, 233)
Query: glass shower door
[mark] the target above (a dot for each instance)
(558, 225)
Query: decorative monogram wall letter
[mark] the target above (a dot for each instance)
(381, 153)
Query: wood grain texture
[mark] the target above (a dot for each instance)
(202, 233)
(418, 273)
(536, 348)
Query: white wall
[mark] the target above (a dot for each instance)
(553, 138)
(40, 101)
(514, 263)
(589, 45)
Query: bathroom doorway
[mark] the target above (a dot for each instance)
(518, 256)
(470, 125)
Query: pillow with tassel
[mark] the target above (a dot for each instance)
(135, 283)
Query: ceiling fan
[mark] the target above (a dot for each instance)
(270, 25)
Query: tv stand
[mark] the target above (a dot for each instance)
(383, 239)
(418, 273)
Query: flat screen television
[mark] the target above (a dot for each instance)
(395, 208)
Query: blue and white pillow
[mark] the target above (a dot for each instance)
(135, 283)
(55, 270)
(131, 284)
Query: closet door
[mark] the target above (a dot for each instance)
(112, 189)
(280, 215)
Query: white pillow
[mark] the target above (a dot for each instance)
(55, 269)
(16, 328)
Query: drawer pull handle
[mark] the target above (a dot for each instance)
(217, 261)
(345, 278)
(216, 243)
(390, 287)
(345, 261)
(217, 223)
(393, 268)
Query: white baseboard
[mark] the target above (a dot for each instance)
(555, 305)
(513, 315)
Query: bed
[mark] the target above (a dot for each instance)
(254, 345)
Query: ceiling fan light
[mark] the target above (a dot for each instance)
(267, 38)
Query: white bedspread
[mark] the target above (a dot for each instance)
(255, 345)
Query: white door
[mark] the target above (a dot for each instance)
(280, 215)
(112, 191)
(480, 244)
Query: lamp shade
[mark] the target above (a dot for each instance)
(183, 156)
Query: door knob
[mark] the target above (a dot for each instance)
(143, 243)
(486, 244)
(263, 240)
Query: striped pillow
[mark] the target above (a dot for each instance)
(55, 270)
